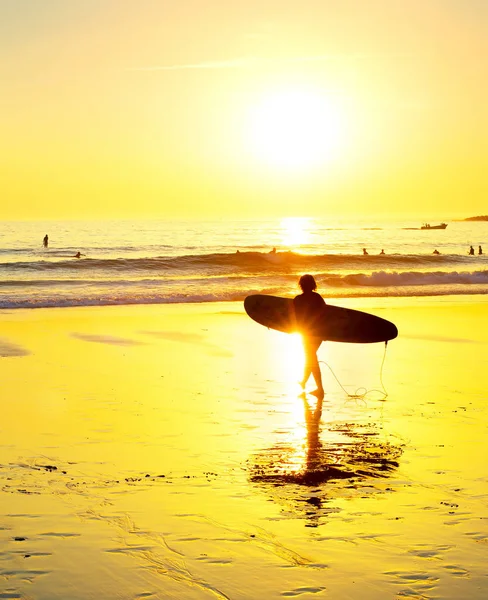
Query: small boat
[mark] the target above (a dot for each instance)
(428, 226)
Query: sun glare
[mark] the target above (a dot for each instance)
(295, 231)
(296, 130)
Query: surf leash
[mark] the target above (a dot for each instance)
(359, 394)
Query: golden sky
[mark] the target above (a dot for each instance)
(204, 108)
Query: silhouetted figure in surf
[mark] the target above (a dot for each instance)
(382, 251)
(471, 251)
(436, 251)
(45, 241)
(365, 252)
(309, 309)
(78, 255)
(272, 251)
(480, 250)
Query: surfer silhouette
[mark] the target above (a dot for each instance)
(309, 307)
(365, 252)
(471, 251)
(45, 241)
(480, 250)
(436, 251)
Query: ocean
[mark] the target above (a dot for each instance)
(158, 261)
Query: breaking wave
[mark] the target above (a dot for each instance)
(243, 261)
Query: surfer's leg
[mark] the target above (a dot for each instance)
(307, 371)
(315, 369)
(317, 375)
(311, 345)
(309, 349)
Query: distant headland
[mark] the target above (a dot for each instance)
(480, 218)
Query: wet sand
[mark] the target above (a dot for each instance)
(164, 452)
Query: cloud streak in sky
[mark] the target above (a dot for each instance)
(256, 61)
(249, 62)
(216, 64)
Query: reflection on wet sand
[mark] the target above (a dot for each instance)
(295, 472)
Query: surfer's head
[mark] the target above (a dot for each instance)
(307, 283)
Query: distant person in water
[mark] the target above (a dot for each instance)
(471, 251)
(436, 251)
(78, 255)
(272, 251)
(309, 308)
(365, 252)
(45, 241)
(480, 250)
(382, 251)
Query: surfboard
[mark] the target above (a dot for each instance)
(337, 325)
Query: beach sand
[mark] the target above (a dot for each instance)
(164, 452)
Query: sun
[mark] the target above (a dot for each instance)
(296, 130)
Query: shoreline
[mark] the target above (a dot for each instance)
(346, 300)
